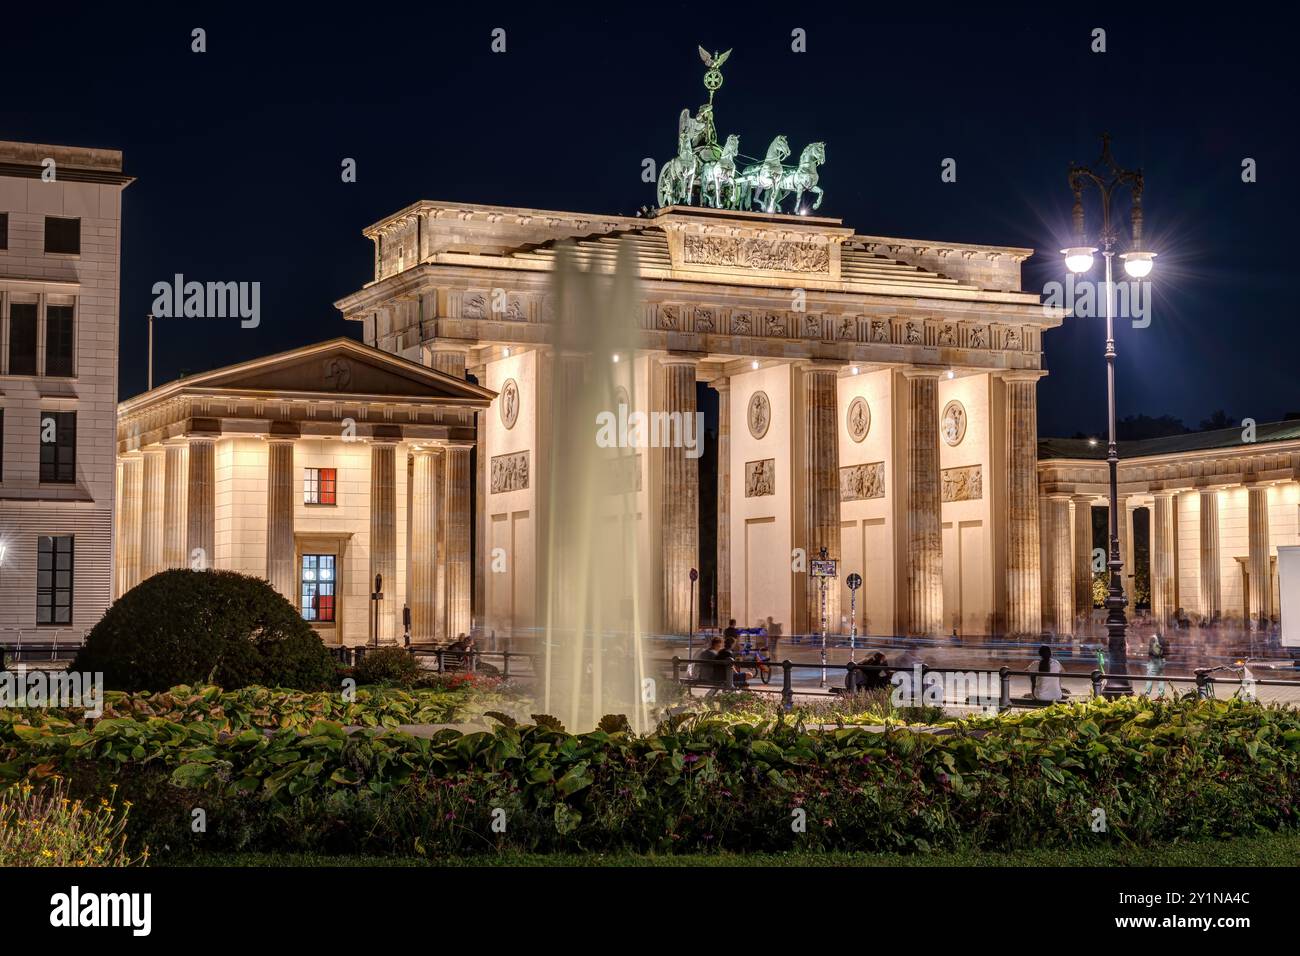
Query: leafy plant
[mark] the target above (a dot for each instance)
(41, 826)
(388, 665)
(196, 627)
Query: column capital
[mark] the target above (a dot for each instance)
(681, 358)
(1030, 375)
(921, 371)
(820, 365)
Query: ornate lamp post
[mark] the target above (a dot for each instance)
(1108, 178)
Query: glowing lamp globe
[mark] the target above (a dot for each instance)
(1078, 258)
(1138, 264)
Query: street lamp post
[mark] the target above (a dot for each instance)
(1109, 178)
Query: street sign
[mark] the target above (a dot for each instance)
(824, 568)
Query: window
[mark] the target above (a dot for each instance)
(58, 340)
(318, 588)
(58, 447)
(320, 486)
(54, 579)
(4, 230)
(22, 338)
(63, 235)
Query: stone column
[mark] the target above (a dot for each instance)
(201, 505)
(449, 359)
(1211, 597)
(1126, 554)
(1082, 563)
(723, 580)
(821, 487)
(478, 608)
(1261, 578)
(924, 537)
(680, 510)
(383, 536)
(423, 592)
(174, 499)
(280, 488)
(1058, 585)
(1024, 594)
(1162, 558)
(128, 548)
(152, 500)
(458, 577)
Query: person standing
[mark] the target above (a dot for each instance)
(1157, 655)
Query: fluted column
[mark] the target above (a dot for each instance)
(201, 504)
(422, 589)
(128, 545)
(1082, 561)
(1058, 580)
(680, 511)
(1261, 578)
(458, 577)
(151, 512)
(821, 484)
(1162, 558)
(174, 500)
(383, 536)
(480, 512)
(1211, 596)
(1126, 554)
(448, 359)
(280, 488)
(1024, 594)
(723, 575)
(924, 538)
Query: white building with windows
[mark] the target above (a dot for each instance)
(316, 469)
(60, 254)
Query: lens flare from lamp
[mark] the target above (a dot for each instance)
(1138, 264)
(1078, 258)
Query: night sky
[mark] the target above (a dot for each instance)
(238, 150)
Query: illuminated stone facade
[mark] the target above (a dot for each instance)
(819, 319)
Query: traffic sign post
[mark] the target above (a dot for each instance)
(854, 581)
(824, 569)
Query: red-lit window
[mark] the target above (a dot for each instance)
(317, 587)
(320, 486)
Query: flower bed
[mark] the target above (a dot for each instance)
(1156, 771)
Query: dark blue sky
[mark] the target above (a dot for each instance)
(238, 150)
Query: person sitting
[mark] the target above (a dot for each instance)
(875, 680)
(707, 672)
(1046, 688)
(728, 656)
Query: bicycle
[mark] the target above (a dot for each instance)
(1205, 686)
(759, 664)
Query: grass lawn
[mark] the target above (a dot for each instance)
(1278, 849)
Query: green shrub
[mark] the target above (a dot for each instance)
(40, 826)
(1161, 771)
(205, 627)
(388, 665)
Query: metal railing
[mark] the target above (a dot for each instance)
(1202, 679)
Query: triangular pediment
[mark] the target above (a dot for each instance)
(340, 367)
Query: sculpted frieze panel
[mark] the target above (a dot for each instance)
(510, 472)
(757, 254)
(760, 478)
(862, 482)
(963, 484)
